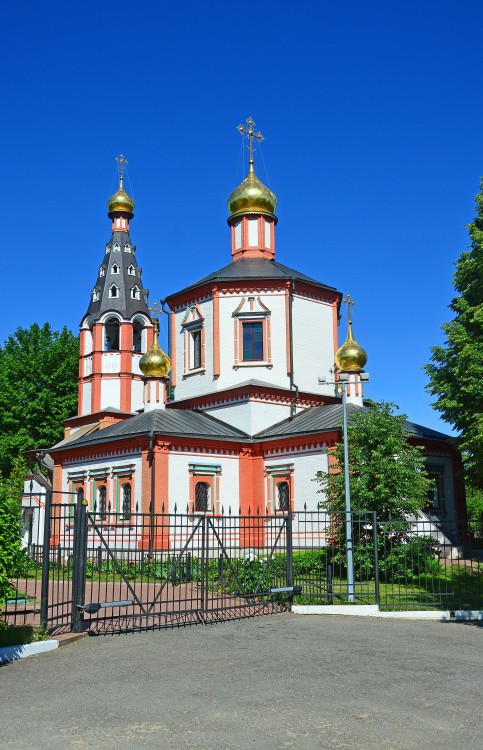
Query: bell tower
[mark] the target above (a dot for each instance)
(117, 328)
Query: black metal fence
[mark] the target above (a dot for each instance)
(81, 568)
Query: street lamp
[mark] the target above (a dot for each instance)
(342, 383)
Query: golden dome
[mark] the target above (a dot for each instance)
(350, 357)
(155, 363)
(252, 196)
(120, 201)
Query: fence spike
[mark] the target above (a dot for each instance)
(176, 507)
(305, 506)
(137, 507)
(94, 507)
(162, 507)
(249, 510)
(187, 508)
(109, 507)
(222, 510)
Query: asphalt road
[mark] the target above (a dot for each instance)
(281, 681)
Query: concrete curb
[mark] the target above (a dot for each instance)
(372, 610)
(11, 653)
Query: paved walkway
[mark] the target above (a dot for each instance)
(271, 683)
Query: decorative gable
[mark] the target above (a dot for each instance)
(251, 307)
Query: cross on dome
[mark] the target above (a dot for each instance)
(251, 135)
(349, 302)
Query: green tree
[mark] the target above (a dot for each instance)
(386, 472)
(456, 372)
(38, 389)
(10, 527)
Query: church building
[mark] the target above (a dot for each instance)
(243, 410)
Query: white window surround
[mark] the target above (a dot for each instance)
(131, 270)
(127, 248)
(101, 271)
(108, 249)
(135, 293)
(113, 291)
(115, 269)
(116, 247)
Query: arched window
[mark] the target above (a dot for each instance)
(113, 291)
(135, 293)
(108, 248)
(111, 335)
(126, 502)
(101, 271)
(202, 491)
(131, 270)
(127, 248)
(115, 268)
(95, 295)
(101, 502)
(137, 335)
(116, 247)
(283, 492)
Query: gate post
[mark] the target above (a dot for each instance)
(79, 564)
(376, 559)
(289, 550)
(44, 596)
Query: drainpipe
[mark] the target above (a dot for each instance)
(293, 387)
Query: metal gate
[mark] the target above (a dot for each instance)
(149, 570)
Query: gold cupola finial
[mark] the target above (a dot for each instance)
(120, 201)
(251, 196)
(155, 363)
(350, 357)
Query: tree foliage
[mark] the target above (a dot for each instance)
(10, 526)
(386, 472)
(38, 389)
(456, 371)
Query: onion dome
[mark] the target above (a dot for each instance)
(252, 196)
(350, 357)
(120, 201)
(155, 363)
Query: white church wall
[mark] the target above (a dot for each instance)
(86, 397)
(313, 345)
(137, 395)
(250, 416)
(306, 467)
(110, 393)
(276, 372)
(179, 478)
(192, 383)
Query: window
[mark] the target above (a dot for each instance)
(127, 248)
(202, 492)
(116, 247)
(101, 502)
(126, 502)
(111, 335)
(135, 293)
(137, 335)
(283, 496)
(101, 271)
(194, 340)
(113, 291)
(196, 349)
(95, 295)
(108, 249)
(115, 269)
(252, 342)
(131, 270)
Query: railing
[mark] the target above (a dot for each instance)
(72, 555)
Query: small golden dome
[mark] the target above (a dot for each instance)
(252, 196)
(120, 201)
(155, 363)
(350, 357)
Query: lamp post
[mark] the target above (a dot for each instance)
(342, 383)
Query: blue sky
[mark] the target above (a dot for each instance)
(373, 121)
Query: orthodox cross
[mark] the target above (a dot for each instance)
(249, 131)
(349, 302)
(155, 310)
(121, 165)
